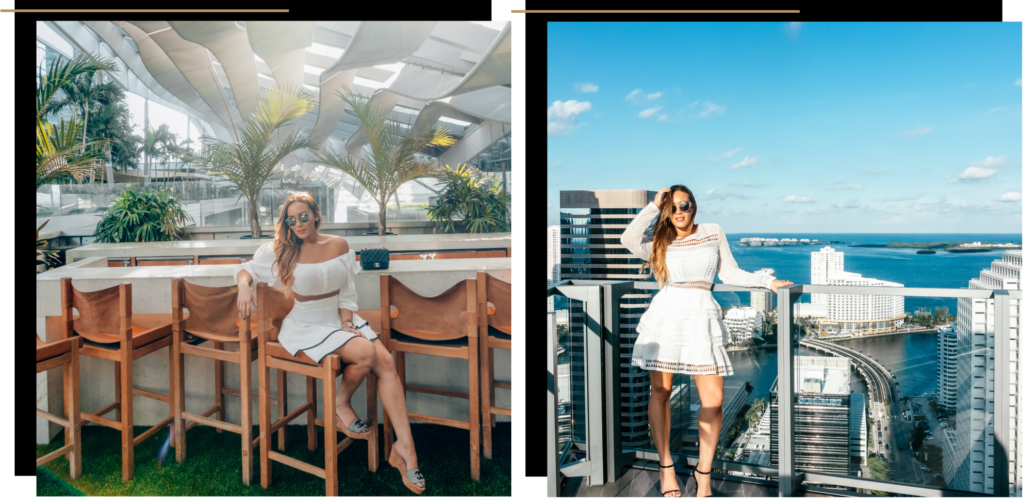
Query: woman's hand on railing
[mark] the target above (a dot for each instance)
(778, 283)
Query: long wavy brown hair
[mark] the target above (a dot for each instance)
(665, 233)
(287, 243)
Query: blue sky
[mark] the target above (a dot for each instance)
(795, 127)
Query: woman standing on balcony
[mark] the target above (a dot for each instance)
(322, 320)
(682, 331)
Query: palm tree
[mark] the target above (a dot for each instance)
(113, 122)
(59, 154)
(253, 159)
(391, 160)
(748, 387)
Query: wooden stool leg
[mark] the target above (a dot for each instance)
(474, 410)
(127, 418)
(490, 383)
(263, 378)
(373, 447)
(117, 390)
(487, 395)
(218, 382)
(311, 413)
(245, 392)
(72, 406)
(282, 405)
(178, 395)
(330, 428)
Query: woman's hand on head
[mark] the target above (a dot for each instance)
(661, 196)
(777, 283)
(246, 300)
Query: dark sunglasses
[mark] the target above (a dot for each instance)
(684, 207)
(303, 217)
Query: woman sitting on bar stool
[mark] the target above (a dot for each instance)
(323, 285)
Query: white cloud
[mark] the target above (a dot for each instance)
(793, 198)
(973, 174)
(647, 113)
(919, 131)
(725, 155)
(1017, 82)
(716, 194)
(750, 184)
(639, 96)
(746, 162)
(841, 184)
(792, 29)
(663, 118)
(876, 170)
(562, 116)
(1009, 196)
(711, 108)
(586, 88)
(991, 162)
(853, 203)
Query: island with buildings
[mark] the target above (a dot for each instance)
(786, 241)
(952, 247)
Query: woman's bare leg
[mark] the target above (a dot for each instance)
(710, 388)
(659, 417)
(392, 396)
(359, 356)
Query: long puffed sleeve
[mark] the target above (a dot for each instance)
(731, 274)
(260, 267)
(633, 237)
(347, 294)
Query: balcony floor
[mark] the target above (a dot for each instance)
(638, 482)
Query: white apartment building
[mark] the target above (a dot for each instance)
(554, 259)
(949, 450)
(975, 329)
(763, 302)
(947, 360)
(823, 263)
(744, 324)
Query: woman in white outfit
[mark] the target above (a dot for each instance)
(319, 271)
(682, 331)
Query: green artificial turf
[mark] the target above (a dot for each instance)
(48, 484)
(213, 466)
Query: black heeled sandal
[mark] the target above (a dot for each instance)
(667, 492)
(697, 485)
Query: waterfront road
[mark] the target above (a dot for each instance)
(884, 398)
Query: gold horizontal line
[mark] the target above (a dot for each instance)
(655, 11)
(146, 10)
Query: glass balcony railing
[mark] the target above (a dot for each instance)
(814, 405)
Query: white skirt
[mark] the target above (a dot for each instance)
(314, 327)
(683, 332)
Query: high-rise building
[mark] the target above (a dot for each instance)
(744, 324)
(852, 314)
(946, 382)
(975, 328)
(554, 255)
(763, 302)
(823, 264)
(949, 451)
(824, 426)
(592, 223)
(734, 397)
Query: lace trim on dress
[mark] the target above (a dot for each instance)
(712, 238)
(692, 285)
(657, 365)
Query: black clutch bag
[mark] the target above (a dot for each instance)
(374, 259)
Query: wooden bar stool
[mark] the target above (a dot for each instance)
(444, 325)
(272, 307)
(495, 332)
(48, 356)
(213, 316)
(109, 331)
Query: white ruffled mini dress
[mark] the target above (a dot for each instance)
(682, 331)
(313, 326)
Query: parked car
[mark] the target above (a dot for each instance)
(901, 448)
(886, 446)
(903, 466)
(929, 437)
(886, 428)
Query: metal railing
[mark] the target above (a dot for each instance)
(603, 457)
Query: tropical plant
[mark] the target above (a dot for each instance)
(62, 149)
(391, 160)
(251, 161)
(113, 122)
(149, 215)
(481, 205)
(44, 256)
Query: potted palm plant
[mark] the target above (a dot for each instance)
(253, 158)
(391, 160)
(469, 203)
